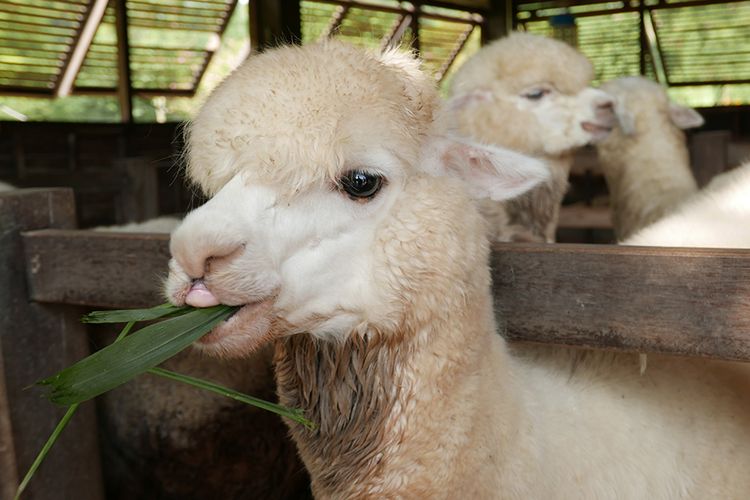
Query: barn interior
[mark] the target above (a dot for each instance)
(94, 97)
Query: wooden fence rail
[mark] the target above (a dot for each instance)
(685, 301)
(693, 302)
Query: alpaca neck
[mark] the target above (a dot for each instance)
(648, 176)
(536, 213)
(396, 410)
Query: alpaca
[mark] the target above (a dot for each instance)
(344, 221)
(718, 216)
(645, 159)
(531, 94)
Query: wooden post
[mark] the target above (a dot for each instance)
(125, 84)
(498, 21)
(37, 340)
(139, 199)
(273, 22)
(415, 43)
(709, 154)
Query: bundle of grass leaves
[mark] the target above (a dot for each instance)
(131, 355)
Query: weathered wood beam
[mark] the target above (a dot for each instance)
(273, 22)
(454, 53)
(103, 269)
(693, 302)
(77, 54)
(685, 301)
(397, 32)
(336, 19)
(498, 21)
(38, 340)
(125, 84)
(654, 47)
(416, 44)
(211, 51)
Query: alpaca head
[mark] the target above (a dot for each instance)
(641, 104)
(530, 93)
(336, 203)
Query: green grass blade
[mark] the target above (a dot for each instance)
(57, 431)
(126, 315)
(45, 449)
(294, 414)
(121, 361)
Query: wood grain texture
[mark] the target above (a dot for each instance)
(96, 269)
(693, 302)
(37, 340)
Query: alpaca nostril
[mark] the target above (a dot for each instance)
(606, 106)
(199, 257)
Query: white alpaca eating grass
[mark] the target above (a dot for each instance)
(531, 94)
(344, 223)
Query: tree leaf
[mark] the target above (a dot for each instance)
(121, 361)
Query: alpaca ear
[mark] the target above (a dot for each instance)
(488, 171)
(625, 118)
(684, 117)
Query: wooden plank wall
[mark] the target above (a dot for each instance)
(36, 340)
(99, 162)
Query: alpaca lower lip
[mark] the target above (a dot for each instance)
(597, 131)
(243, 332)
(594, 128)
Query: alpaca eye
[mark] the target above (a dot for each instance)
(536, 94)
(360, 184)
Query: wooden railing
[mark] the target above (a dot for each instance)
(692, 302)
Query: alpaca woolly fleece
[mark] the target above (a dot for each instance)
(645, 159)
(531, 94)
(718, 216)
(359, 253)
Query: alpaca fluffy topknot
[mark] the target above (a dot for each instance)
(264, 132)
(522, 59)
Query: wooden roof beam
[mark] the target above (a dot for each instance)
(125, 83)
(397, 32)
(460, 43)
(336, 19)
(654, 48)
(77, 54)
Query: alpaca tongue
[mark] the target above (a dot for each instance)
(200, 296)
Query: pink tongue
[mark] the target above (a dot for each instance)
(200, 296)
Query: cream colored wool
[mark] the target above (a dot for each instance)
(717, 216)
(493, 100)
(645, 160)
(381, 313)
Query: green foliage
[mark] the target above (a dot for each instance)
(121, 361)
(697, 41)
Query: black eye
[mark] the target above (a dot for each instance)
(535, 94)
(360, 184)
